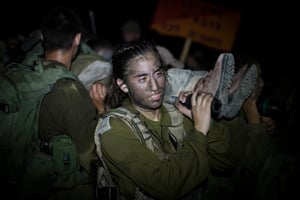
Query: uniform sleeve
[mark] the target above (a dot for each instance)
(218, 146)
(68, 109)
(134, 164)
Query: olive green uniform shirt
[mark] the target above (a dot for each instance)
(134, 165)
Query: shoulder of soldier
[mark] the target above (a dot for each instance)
(70, 86)
(113, 124)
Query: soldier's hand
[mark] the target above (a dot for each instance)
(98, 93)
(201, 111)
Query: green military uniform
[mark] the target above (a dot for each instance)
(249, 147)
(68, 109)
(183, 168)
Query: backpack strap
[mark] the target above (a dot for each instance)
(104, 177)
(138, 127)
(99, 152)
(177, 129)
(141, 131)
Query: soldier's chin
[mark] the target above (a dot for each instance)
(156, 105)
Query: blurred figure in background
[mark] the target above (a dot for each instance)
(131, 31)
(102, 47)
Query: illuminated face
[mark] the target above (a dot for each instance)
(146, 82)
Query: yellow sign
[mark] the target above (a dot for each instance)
(201, 22)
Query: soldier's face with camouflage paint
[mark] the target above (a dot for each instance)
(145, 82)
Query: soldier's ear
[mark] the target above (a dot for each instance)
(77, 39)
(122, 85)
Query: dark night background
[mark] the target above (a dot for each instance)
(266, 29)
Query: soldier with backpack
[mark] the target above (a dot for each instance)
(56, 157)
